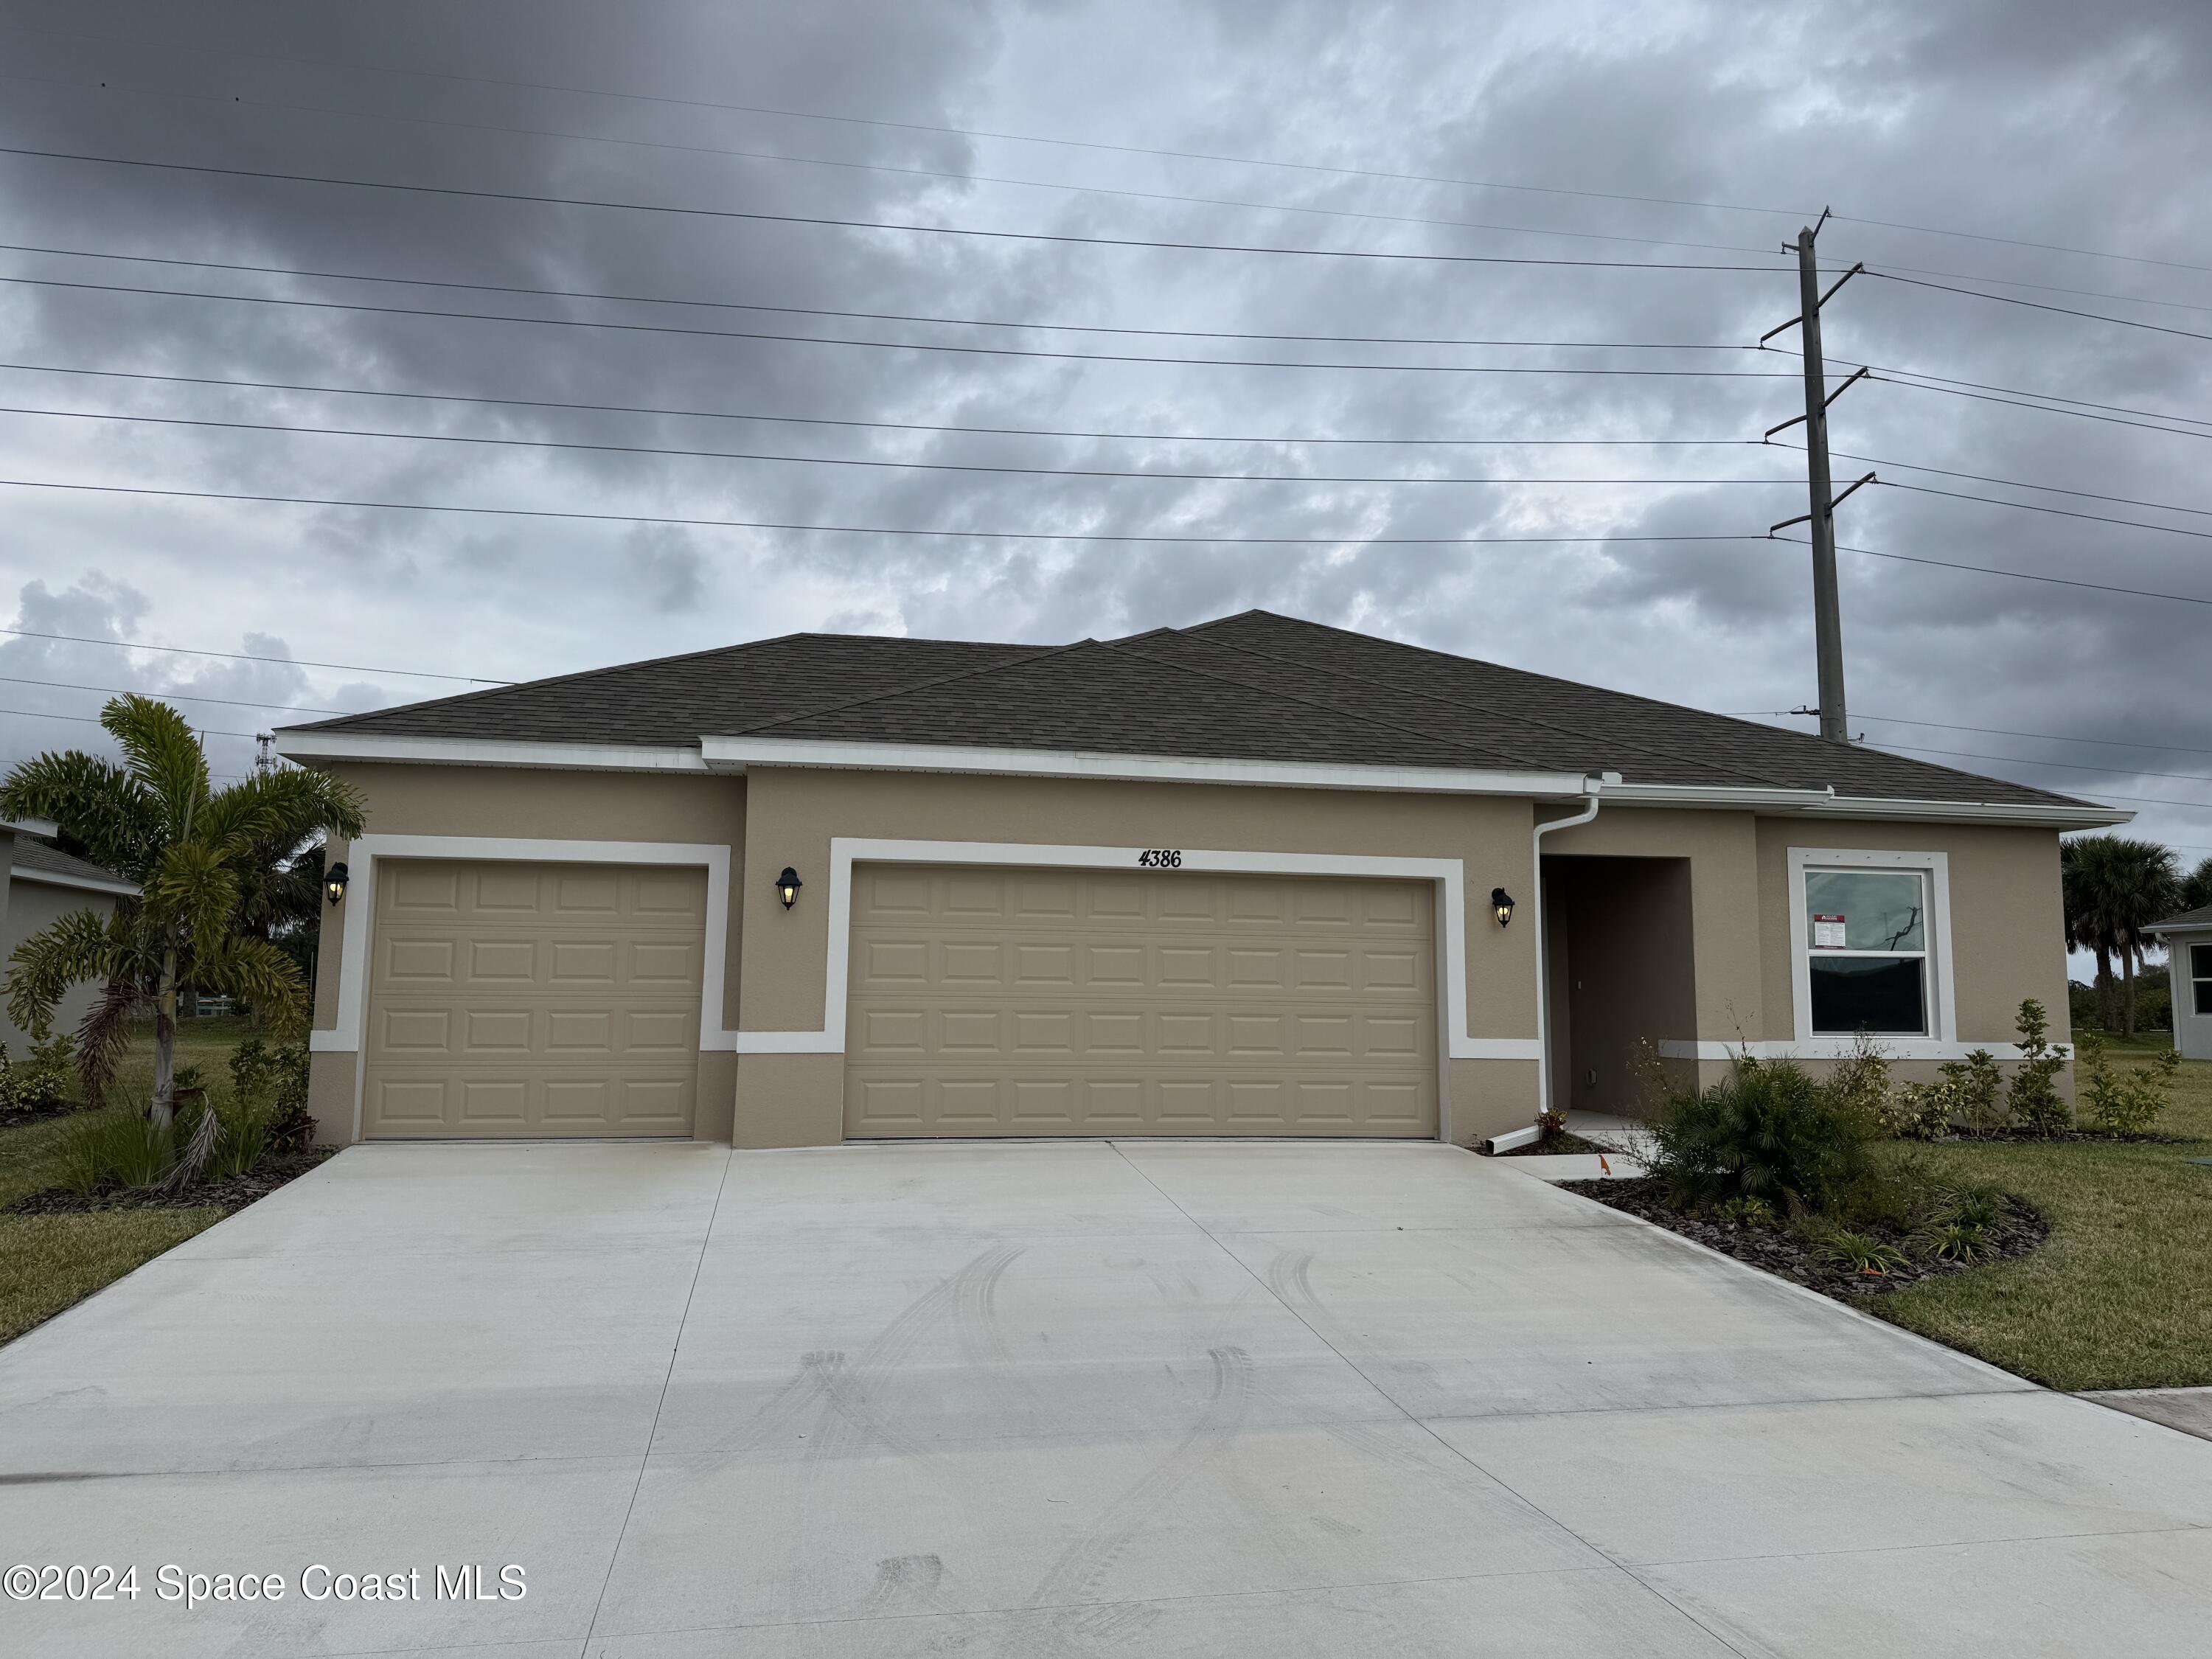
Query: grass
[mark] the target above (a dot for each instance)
(2120, 1296)
(47, 1262)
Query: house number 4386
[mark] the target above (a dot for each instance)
(1161, 858)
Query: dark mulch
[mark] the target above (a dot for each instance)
(2124, 1137)
(1782, 1253)
(1559, 1145)
(44, 1112)
(231, 1193)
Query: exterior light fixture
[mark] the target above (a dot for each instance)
(1501, 905)
(787, 885)
(334, 883)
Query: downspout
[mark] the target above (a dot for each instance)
(1590, 788)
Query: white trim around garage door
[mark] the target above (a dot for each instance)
(364, 854)
(1449, 876)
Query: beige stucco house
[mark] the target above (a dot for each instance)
(42, 884)
(1247, 879)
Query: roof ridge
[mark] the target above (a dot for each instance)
(1487, 708)
(1028, 653)
(1291, 696)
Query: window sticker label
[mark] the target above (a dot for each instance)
(1828, 932)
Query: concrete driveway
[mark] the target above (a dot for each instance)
(1075, 1398)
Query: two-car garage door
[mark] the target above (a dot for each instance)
(1036, 1002)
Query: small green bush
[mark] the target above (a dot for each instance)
(43, 1082)
(274, 1080)
(2122, 1102)
(1766, 1132)
(1952, 1241)
(2031, 1097)
(121, 1149)
(1747, 1212)
(1966, 1092)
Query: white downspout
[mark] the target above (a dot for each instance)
(1590, 788)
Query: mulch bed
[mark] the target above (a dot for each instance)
(232, 1192)
(1778, 1251)
(1564, 1143)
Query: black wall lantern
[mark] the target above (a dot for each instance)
(1501, 906)
(787, 885)
(334, 882)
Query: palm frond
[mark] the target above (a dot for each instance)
(100, 808)
(73, 947)
(259, 975)
(282, 809)
(194, 890)
(192, 1158)
(162, 754)
(104, 1036)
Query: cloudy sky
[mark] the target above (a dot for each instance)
(1623, 177)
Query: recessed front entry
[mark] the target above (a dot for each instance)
(511, 1000)
(987, 1001)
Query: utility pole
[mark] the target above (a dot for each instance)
(264, 751)
(1827, 609)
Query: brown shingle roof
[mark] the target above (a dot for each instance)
(1254, 686)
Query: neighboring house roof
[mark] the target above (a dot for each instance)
(2200, 917)
(41, 861)
(1251, 687)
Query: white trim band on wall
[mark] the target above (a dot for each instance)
(1831, 1048)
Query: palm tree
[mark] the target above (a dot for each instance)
(2085, 881)
(197, 855)
(2196, 893)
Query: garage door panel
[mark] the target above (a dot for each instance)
(1176, 1003)
(534, 999)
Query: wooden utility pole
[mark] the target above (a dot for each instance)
(1827, 608)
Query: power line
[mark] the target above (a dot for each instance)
(1115, 149)
(934, 173)
(859, 461)
(94, 720)
(754, 217)
(883, 346)
(2106, 796)
(1108, 189)
(861, 530)
(888, 426)
(2016, 576)
(2019, 483)
(859, 316)
(2079, 414)
(2038, 507)
(180, 696)
(2069, 766)
(1920, 380)
(2040, 305)
(248, 656)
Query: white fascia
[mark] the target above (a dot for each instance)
(735, 754)
(82, 883)
(296, 743)
(1827, 804)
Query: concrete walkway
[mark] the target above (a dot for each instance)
(1073, 1399)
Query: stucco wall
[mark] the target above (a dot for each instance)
(1629, 973)
(516, 804)
(33, 906)
(793, 815)
(2192, 1031)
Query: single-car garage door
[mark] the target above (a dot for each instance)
(533, 1000)
(1029, 1002)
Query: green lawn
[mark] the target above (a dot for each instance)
(2120, 1295)
(49, 1261)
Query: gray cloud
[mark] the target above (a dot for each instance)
(2041, 122)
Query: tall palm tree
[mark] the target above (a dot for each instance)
(198, 854)
(2085, 883)
(2196, 893)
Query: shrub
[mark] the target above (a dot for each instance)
(2031, 1097)
(1953, 1240)
(274, 1080)
(1860, 1083)
(2122, 1102)
(122, 1149)
(1747, 1212)
(1766, 1132)
(1846, 1247)
(40, 1083)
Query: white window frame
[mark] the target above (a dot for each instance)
(2192, 946)
(1941, 1041)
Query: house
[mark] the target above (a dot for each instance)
(43, 884)
(2188, 941)
(1255, 877)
